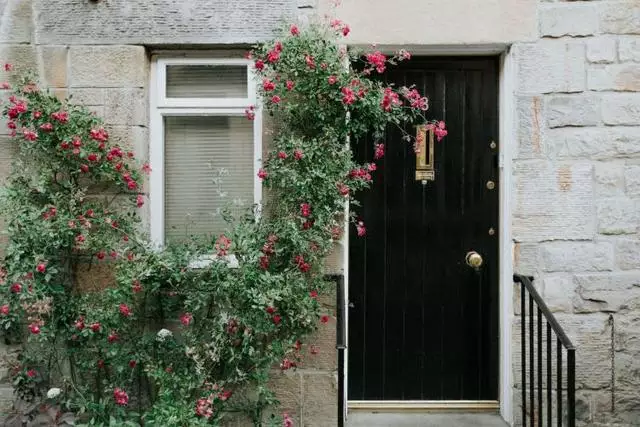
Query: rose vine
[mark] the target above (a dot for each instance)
(157, 341)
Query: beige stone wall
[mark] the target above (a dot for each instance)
(110, 75)
(419, 23)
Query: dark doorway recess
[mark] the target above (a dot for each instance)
(423, 324)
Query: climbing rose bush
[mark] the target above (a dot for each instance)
(165, 340)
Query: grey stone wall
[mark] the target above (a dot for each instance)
(152, 22)
(576, 195)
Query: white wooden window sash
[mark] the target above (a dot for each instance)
(162, 106)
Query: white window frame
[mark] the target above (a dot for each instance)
(162, 107)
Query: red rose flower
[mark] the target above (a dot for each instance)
(31, 373)
(125, 310)
(249, 113)
(99, 134)
(332, 80)
(259, 64)
(41, 268)
(289, 84)
(140, 200)
(264, 262)
(136, 286)
(379, 151)
(294, 30)
(113, 337)
(186, 319)
(273, 56)
(308, 59)
(16, 288)
(270, 310)
(276, 319)
(84, 168)
(377, 60)
(223, 243)
(34, 328)
(305, 209)
(29, 135)
(262, 174)
(100, 255)
(404, 54)
(268, 85)
(440, 131)
(361, 229)
(120, 396)
(324, 318)
(95, 327)
(203, 408)
(4, 310)
(60, 116)
(79, 324)
(276, 99)
(92, 157)
(287, 364)
(348, 96)
(46, 127)
(297, 154)
(313, 294)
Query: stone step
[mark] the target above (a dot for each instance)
(369, 419)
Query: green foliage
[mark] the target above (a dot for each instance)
(167, 342)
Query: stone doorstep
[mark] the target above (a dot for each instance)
(370, 419)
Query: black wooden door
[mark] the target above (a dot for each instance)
(423, 325)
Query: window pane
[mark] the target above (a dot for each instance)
(208, 167)
(206, 81)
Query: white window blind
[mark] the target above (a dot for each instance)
(208, 166)
(206, 81)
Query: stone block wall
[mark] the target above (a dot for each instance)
(576, 166)
(576, 195)
(98, 52)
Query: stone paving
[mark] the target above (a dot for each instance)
(424, 420)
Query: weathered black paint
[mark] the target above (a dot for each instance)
(422, 324)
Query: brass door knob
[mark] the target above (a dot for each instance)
(473, 259)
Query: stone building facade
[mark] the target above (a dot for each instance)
(570, 146)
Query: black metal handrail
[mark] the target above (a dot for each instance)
(534, 410)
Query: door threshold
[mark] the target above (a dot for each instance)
(486, 406)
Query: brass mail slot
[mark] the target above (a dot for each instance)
(425, 167)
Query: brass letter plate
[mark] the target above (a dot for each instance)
(425, 170)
